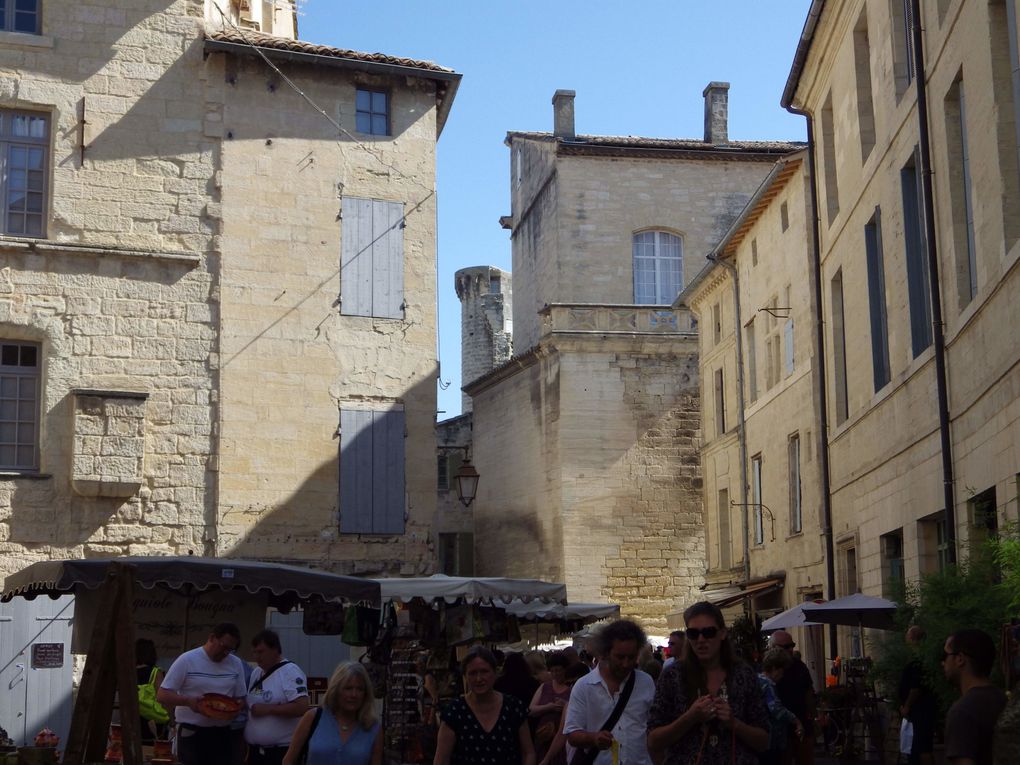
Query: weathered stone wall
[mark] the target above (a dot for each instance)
(134, 319)
(486, 326)
(773, 265)
(574, 224)
(533, 239)
(590, 472)
(886, 460)
(191, 264)
(289, 359)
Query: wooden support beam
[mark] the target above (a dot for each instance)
(109, 667)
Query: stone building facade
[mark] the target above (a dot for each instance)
(891, 453)
(760, 443)
(587, 439)
(216, 300)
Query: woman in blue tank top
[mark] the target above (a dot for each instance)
(344, 731)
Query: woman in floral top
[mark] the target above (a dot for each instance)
(708, 707)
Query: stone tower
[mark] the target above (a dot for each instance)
(486, 327)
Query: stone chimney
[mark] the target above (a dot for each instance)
(716, 112)
(563, 114)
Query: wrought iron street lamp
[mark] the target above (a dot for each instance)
(466, 481)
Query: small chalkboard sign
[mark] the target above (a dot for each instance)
(47, 655)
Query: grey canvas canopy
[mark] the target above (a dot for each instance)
(284, 586)
(460, 589)
(554, 612)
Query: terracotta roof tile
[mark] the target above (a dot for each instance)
(300, 46)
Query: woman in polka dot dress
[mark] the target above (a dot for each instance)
(484, 727)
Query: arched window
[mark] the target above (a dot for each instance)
(658, 267)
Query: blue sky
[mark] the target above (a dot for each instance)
(638, 68)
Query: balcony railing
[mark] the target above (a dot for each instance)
(602, 318)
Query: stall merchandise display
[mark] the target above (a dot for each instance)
(402, 718)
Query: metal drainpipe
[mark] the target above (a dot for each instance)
(741, 432)
(939, 340)
(823, 402)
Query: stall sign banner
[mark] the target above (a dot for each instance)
(160, 616)
(47, 655)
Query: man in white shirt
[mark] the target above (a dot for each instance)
(595, 696)
(277, 697)
(210, 668)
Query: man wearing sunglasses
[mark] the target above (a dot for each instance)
(967, 660)
(797, 693)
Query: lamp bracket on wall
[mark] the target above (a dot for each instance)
(765, 510)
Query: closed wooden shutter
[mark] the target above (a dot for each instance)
(371, 472)
(372, 258)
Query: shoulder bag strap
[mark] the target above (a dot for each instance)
(614, 718)
(258, 683)
(588, 756)
(303, 755)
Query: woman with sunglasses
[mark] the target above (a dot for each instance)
(708, 708)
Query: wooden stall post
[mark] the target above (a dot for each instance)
(109, 666)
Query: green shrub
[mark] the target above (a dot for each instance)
(975, 593)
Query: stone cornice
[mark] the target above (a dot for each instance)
(46, 247)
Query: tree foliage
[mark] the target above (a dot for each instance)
(982, 591)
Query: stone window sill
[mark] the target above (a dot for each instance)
(15, 475)
(26, 40)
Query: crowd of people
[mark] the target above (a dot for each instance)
(703, 705)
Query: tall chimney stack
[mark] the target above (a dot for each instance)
(716, 112)
(563, 114)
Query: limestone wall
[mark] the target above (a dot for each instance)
(486, 323)
(887, 476)
(290, 359)
(573, 225)
(118, 296)
(185, 298)
(598, 484)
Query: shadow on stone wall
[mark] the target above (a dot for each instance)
(303, 528)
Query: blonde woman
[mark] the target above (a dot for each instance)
(344, 730)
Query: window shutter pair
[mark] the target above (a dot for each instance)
(372, 258)
(371, 472)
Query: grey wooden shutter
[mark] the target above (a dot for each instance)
(388, 479)
(355, 472)
(356, 257)
(388, 260)
(371, 472)
(372, 258)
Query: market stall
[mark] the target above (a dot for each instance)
(177, 598)
(542, 623)
(433, 618)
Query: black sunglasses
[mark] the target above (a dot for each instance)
(693, 633)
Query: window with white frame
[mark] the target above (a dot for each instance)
(19, 405)
(658, 267)
(21, 16)
(24, 150)
(759, 525)
(372, 111)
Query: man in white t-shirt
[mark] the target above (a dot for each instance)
(210, 668)
(595, 696)
(277, 698)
